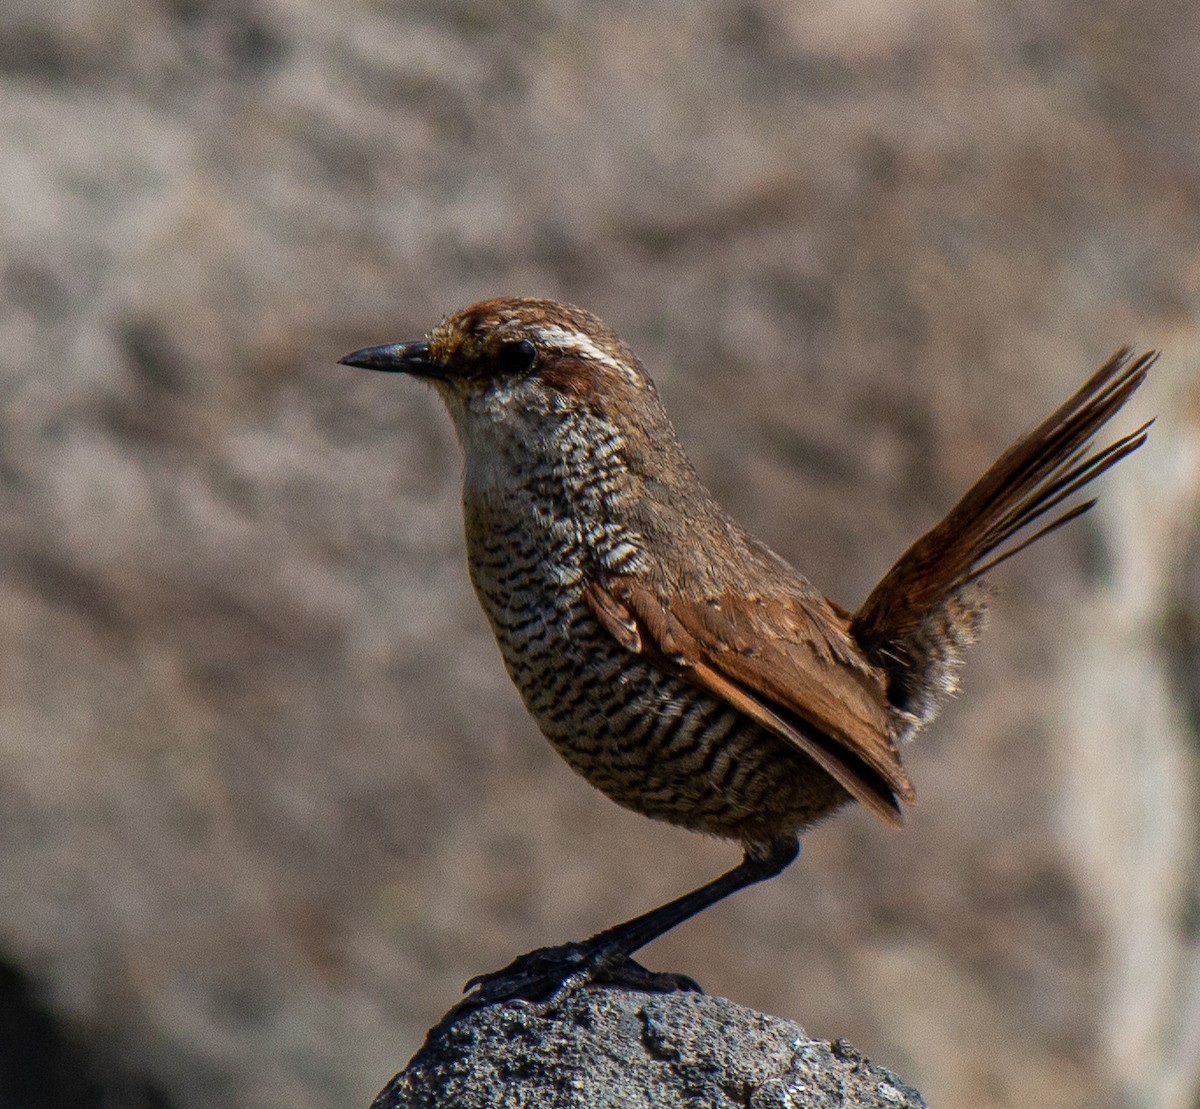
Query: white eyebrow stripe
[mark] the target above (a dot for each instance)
(577, 343)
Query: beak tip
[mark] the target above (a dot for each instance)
(389, 357)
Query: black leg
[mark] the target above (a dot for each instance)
(634, 934)
(554, 971)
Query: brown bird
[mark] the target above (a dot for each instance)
(677, 663)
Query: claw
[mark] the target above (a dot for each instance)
(549, 965)
(472, 982)
(549, 975)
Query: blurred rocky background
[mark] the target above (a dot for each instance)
(266, 796)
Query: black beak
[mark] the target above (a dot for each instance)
(395, 358)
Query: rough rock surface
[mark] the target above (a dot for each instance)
(619, 1049)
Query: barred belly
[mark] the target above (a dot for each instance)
(649, 740)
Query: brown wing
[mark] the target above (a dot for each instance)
(789, 668)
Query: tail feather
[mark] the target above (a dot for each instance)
(1050, 495)
(930, 604)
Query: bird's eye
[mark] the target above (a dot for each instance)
(516, 358)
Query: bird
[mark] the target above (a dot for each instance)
(677, 663)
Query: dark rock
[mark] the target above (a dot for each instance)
(608, 1047)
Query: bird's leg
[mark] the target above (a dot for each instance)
(624, 939)
(553, 972)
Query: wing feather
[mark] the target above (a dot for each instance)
(792, 670)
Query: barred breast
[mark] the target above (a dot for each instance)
(649, 740)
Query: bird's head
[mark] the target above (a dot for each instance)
(510, 359)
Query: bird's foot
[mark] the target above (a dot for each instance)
(549, 975)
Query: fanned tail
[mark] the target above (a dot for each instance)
(930, 604)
